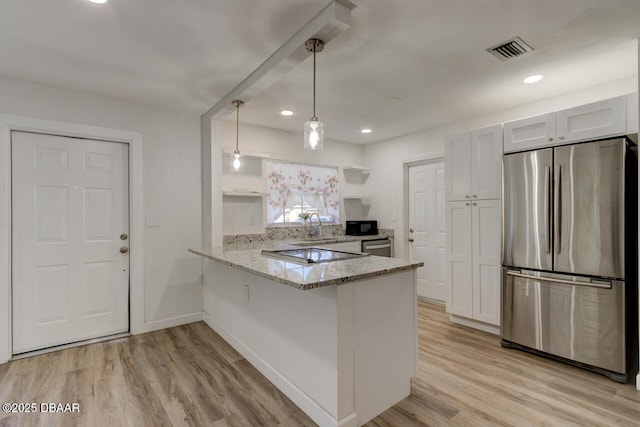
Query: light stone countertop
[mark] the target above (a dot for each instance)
(306, 276)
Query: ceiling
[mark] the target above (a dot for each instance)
(402, 66)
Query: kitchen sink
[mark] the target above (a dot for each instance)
(311, 255)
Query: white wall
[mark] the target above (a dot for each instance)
(385, 159)
(282, 145)
(171, 153)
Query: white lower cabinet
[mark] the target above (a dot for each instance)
(474, 233)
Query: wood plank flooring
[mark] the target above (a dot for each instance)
(189, 376)
(184, 376)
(466, 379)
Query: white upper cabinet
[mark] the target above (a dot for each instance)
(457, 152)
(532, 132)
(472, 164)
(592, 121)
(604, 118)
(486, 152)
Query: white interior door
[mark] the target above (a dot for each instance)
(70, 280)
(427, 228)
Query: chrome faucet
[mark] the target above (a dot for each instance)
(318, 231)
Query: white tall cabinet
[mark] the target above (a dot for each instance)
(473, 190)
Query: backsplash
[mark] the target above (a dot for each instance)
(254, 241)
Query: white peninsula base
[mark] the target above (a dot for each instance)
(342, 353)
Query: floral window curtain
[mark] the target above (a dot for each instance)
(284, 178)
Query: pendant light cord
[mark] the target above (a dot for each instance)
(314, 118)
(237, 123)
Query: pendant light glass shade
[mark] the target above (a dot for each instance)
(313, 135)
(314, 129)
(237, 163)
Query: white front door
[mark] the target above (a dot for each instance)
(70, 280)
(427, 228)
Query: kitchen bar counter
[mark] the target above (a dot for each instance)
(303, 276)
(343, 351)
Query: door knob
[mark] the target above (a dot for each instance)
(124, 250)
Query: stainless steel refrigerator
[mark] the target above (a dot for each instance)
(569, 254)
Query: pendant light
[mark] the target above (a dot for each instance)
(237, 161)
(313, 129)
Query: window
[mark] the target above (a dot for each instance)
(299, 188)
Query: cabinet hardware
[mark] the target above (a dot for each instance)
(124, 236)
(550, 139)
(124, 250)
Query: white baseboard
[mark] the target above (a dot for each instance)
(171, 322)
(492, 329)
(301, 399)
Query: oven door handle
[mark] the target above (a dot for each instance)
(564, 282)
(367, 248)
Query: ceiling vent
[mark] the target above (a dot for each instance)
(510, 49)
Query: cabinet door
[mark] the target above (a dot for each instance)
(532, 132)
(459, 258)
(457, 167)
(486, 238)
(486, 152)
(604, 118)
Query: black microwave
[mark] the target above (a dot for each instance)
(361, 228)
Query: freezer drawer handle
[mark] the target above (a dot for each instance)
(600, 285)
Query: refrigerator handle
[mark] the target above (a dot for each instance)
(557, 209)
(547, 206)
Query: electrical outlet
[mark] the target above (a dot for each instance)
(252, 220)
(246, 290)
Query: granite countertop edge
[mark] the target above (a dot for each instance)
(338, 280)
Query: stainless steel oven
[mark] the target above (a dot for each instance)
(380, 247)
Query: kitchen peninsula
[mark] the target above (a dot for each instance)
(338, 338)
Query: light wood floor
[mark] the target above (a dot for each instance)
(189, 376)
(466, 379)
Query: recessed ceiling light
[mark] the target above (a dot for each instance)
(98, 1)
(366, 130)
(533, 79)
(286, 113)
